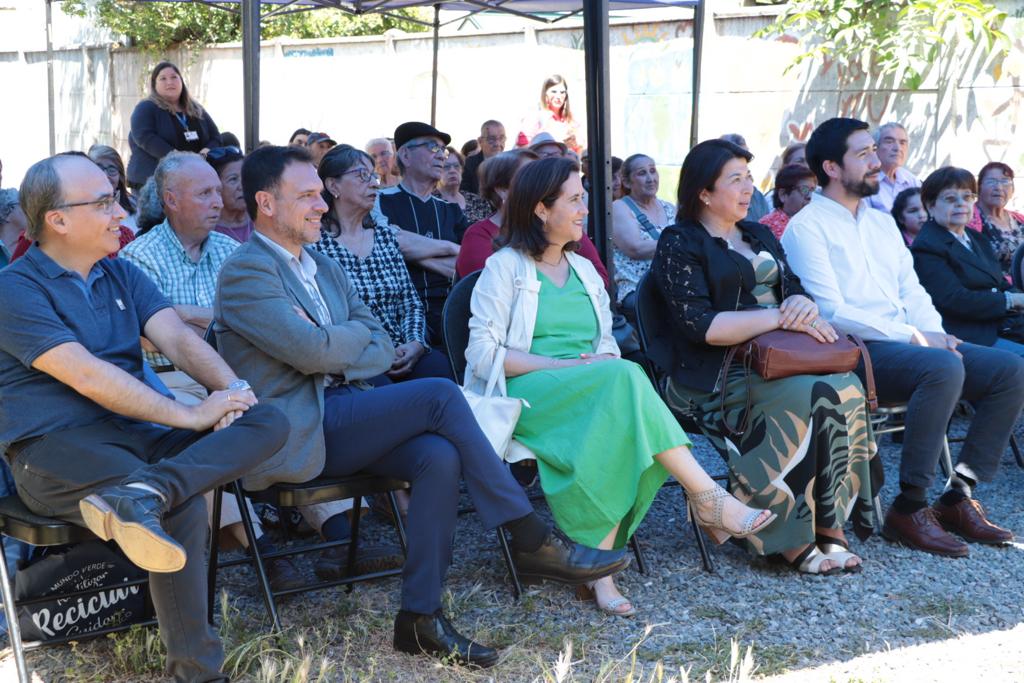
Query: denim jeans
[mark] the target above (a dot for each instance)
(54, 473)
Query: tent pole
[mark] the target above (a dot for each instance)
(595, 56)
(698, 51)
(433, 73)
(49, 78)
(251, 72)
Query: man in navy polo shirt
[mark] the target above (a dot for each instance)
(87, 440)
(430, 228)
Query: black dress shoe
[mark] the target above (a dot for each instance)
(560, 559)
(283, 574)
(332, 562)
(131, 516)
(434, 635)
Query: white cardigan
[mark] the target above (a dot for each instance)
(504, 312)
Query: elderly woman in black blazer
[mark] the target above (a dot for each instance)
(168, 119)
(805, 453)
(959, 267)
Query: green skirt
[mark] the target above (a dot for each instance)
(805, 454)
(595, 430)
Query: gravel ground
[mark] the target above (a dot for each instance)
(907, 617)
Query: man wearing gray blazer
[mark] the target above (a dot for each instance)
(289, 320)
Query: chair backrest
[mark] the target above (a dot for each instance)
(1015, 269)
(210, 337)
(455, 321)
(652, 325)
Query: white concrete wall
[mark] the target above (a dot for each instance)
(358, 88)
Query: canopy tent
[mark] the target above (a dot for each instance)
(595, 15)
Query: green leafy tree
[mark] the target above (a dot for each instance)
(901, 38)
(158, 25)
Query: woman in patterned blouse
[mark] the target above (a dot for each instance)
(1004, 228)
(794, 185)
(369, 254)
(474, 206)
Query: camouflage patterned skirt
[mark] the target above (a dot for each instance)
(805, 454)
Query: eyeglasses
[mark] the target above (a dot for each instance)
(110, 170)
(433, 147)
(804, 191)
(453, 166)
(104, 204)
(953, 198)
(363, 175)
(218, 153)
(998, 182)
(495, 140)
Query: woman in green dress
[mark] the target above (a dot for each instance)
(806, 451)
(604, 441)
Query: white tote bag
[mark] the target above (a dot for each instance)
(497, 415)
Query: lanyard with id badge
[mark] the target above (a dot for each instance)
(190, 135)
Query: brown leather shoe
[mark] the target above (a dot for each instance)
(922, 531)
(967, 518)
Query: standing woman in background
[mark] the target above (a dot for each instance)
(554, 116)
(168, 119)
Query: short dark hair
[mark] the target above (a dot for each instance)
(943, 179)
(298, 131)
(262, 170)
(828, 143)
(899, 205)
(539, 182)
(230, 140)
(701, 168)
(468, 147)
(499, 170)
(995, 166)
(452, 152)
(787, 178)
(792, 149)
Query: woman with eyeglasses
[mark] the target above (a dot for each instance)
(370, 256)
(111, 164)
(639, 217)
(794, 185)
(1004, 228)
(959, 267)
(166, 120)
(554, 115)
(234, 218)
(473, 206)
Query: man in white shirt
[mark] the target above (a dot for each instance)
(893, 144)
(851, 258)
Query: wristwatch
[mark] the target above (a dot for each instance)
(239, 385)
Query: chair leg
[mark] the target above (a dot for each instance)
(1016, 451)
(214, 559)
(879, 516)
(353, 544)
(257, 560)
(506, 553)
(698, 535)
(11, 612)
(641, 562)
(946, 460)
(399, 524)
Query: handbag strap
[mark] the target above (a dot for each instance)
(744, 421)
(869, 372)
(646, 223)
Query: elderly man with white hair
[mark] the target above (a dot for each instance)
(893, 144)
(383, 153)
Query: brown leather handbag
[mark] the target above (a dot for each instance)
(782, 353)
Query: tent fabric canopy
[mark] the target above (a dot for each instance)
(595, 15)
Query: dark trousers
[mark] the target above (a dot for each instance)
(931, 381)
(422, 432)
(55, 472)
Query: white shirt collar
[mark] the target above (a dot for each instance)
(305, 261)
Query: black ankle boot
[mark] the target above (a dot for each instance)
(434, 635)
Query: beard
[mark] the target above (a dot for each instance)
(864, 187)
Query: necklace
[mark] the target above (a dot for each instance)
(555, 264)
